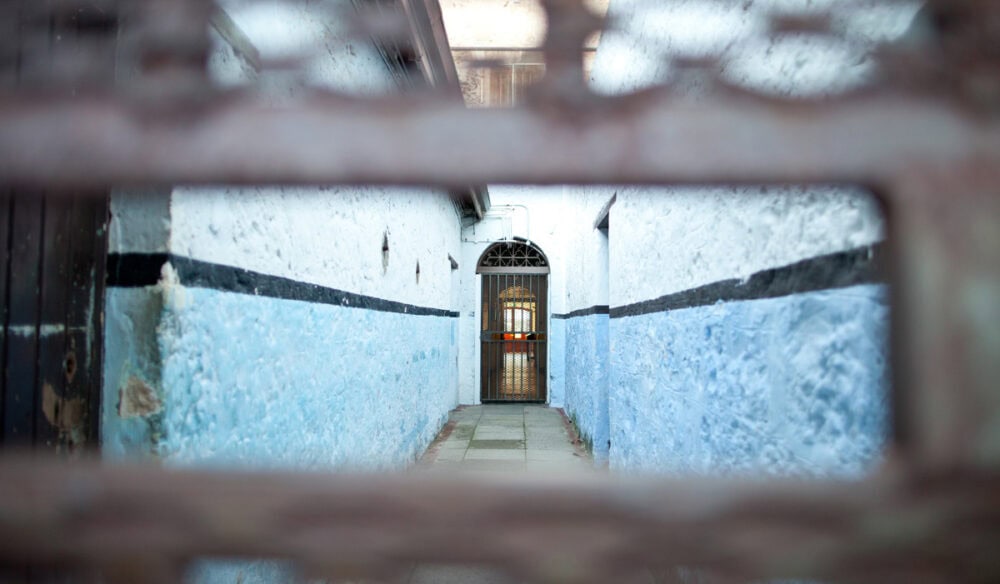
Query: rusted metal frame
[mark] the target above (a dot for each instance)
(86, 515)
(944, 221)
(652, 138)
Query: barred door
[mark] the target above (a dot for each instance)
(514, 323)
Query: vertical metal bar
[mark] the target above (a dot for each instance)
(490, 360)
(526, 326)
(509, 355)
(495, 368)
(483, 319)
(542, 352)
(491, 326)
(525, 349)
(534, 331)
(945, 313)
(494, 326)
(524, 285)
(500, 346)
(520, 339)
(505, 377)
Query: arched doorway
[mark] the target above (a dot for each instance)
(514, 323)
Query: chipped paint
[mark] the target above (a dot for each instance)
(137, 399)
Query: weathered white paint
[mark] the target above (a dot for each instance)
(329, 236)
(678, 239)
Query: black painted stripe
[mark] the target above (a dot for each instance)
(597, 309)
(838, 270)
(133, 270)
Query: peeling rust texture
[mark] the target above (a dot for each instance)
(925, 136)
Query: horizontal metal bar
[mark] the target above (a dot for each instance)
(518, 271)
(649, 138)
(85, 514)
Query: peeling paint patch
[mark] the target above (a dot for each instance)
(171, 287)
(137, 399)
(62, 413)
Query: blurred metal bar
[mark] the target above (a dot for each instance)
(88, 515)
(946, 243)
(652, 138)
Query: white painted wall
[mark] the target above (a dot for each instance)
(670, 240)
(586, 268)
(330, 236)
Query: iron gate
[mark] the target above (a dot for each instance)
(513, 337)
(514, 318)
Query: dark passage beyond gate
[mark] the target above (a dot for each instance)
(514, 323)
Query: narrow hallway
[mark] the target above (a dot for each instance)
(502, 438)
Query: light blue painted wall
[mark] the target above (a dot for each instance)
(131, 352)
(791, 385)
(280, 383)
(557, 363)
(587, 379)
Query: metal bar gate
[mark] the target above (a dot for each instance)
(924, 135)
(514, 340)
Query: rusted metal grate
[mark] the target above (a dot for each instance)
(925, 136)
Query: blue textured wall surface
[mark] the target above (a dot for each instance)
(587, 379)
(790, 385)
(264, 382)
(286, 383)
(132, 316)
(557, 363)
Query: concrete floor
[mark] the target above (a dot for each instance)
(502, 438)
(495, 440)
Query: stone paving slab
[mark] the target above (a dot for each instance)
(498, 435)
(453, 444)
(505, 421)
(498, 444)
(457, 455)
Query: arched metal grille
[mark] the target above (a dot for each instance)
(513, 256)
